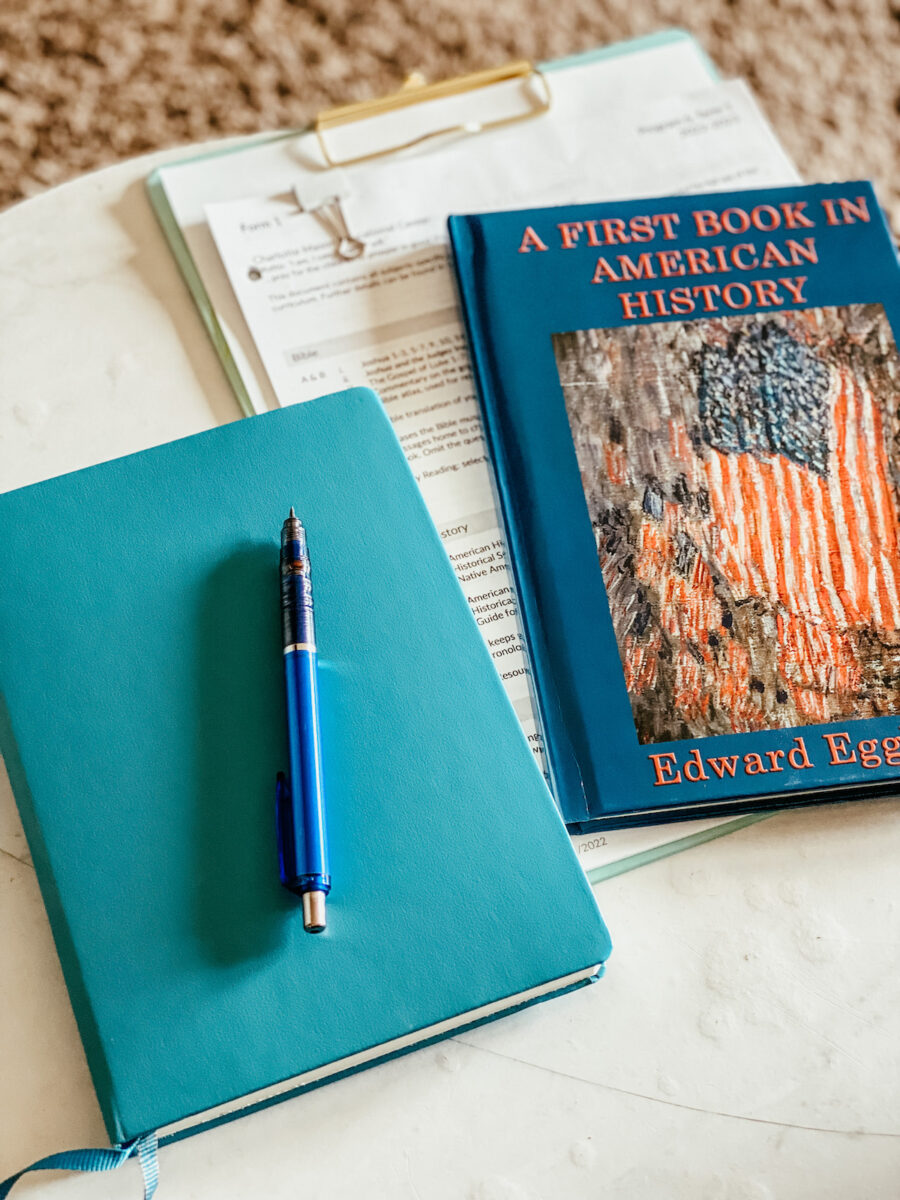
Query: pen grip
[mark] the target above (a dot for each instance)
(297, 620)
(310, 844)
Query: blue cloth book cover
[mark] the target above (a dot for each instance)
(692, 407)
(143, 724)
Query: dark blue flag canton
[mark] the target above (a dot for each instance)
(764, 393)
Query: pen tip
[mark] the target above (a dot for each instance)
(292, 516)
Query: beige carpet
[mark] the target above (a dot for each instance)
(86, 82)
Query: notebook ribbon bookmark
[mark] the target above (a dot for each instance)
(98, 1160)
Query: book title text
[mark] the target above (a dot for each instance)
(776, 242)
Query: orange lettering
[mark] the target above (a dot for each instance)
(693, 767)
(665, 773)
(799, 749)
(838, 744)
(794, 216)
(529, 239)
(724, 766)
(795, 287)
(570, 231)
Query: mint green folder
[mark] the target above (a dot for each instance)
(143, 726)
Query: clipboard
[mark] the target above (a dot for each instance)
(178, 192)
(415, 91)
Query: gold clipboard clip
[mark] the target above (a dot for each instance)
(416, 91)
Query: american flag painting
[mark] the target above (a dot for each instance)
(741, 476)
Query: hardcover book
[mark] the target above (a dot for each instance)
(143, 725)
(692, 407)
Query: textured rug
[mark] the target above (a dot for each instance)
(84, 83)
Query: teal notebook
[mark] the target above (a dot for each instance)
(143, 726)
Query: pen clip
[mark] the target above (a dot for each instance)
(284, 826)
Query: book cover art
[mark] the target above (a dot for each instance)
(693, 407)
(741, 479)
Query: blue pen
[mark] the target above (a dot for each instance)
(300, 804)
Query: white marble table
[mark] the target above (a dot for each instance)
(745, 1043)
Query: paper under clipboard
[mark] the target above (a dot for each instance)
(292, 320)
(601, 83)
